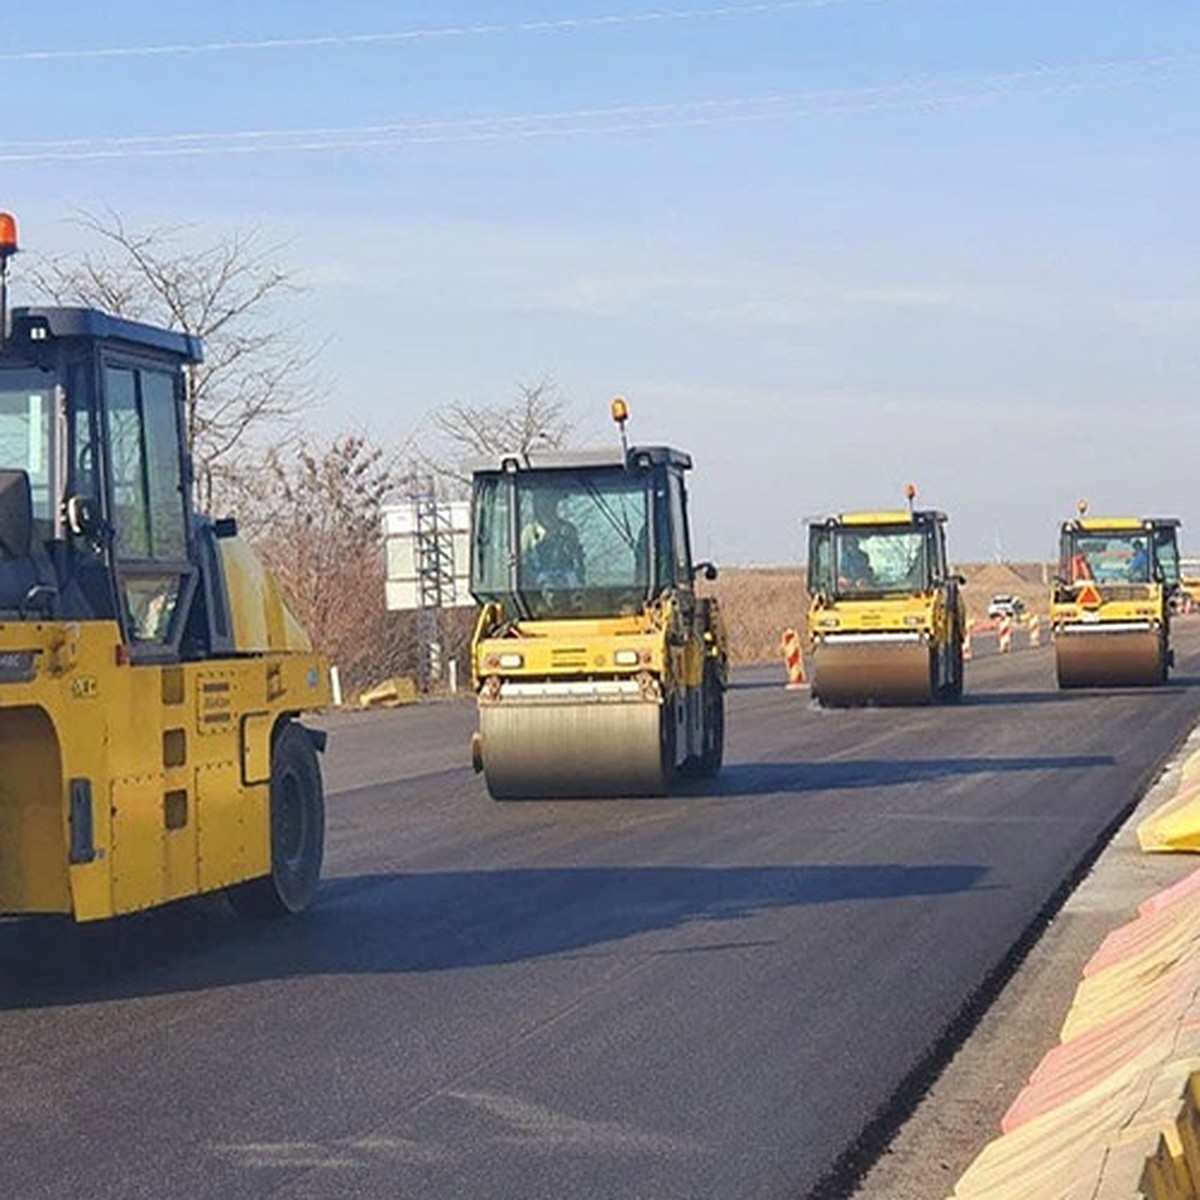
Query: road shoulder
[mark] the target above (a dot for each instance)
(961, 1112)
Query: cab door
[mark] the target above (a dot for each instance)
(820, 559)
(148, 500)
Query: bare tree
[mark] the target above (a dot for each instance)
(254, 377)
(319, 528)
(536, 420)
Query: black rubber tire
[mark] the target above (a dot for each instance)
(713, 754)
(952, 692)
(668, 741)
(297, 830)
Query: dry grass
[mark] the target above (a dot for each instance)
(758, 604)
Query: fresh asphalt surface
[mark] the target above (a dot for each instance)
(705, 996)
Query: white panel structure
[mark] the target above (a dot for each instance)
(428, 544)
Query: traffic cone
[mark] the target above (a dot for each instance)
(1035, 630)
(793, 659)
(967, 643)
(1005, 635)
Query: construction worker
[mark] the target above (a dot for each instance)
(1138, 570)
(854, 567)
(550, 548)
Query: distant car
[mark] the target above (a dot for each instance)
(1005, 606)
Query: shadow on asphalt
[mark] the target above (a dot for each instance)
(765, 779)
(1074, 695)
(428, 921)
(752, 685)
(1056, 695)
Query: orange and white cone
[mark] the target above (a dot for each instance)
(1035, 630)
(793, 659)
(1005, 635)
(967, 643)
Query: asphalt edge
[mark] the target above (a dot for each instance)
(852, 1169)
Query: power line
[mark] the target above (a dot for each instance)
(561, 25)
(912, 95)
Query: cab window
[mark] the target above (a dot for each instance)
(679, 532)
(820, 566)
(26, 410)
(149, 512)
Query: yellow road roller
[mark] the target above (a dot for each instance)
(151, 676)
(886, 617)
(598, 669)
(1110, 604)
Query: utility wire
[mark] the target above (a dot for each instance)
(561, 25)
(918, 94)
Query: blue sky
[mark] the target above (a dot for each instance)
(826, 246)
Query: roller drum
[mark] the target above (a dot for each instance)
(874, 672)
(538, 748)
(1097, 658)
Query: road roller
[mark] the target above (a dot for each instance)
(886, 617)
(152, 677)
(1110, 604)
(598, 669)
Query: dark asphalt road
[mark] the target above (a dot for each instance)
(705, 996)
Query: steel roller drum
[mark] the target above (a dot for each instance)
(572, 742)
(875, 671)
(1101, 658)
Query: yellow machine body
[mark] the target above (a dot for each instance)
(128, 786)
(886, 618)
(261, 619)
(1110, 605)
(610, 683)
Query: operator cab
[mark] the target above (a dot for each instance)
(96, 519)
(1118, 551)
(582, 535)
(869, 555)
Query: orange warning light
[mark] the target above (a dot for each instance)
(620, 410)
(8, 234)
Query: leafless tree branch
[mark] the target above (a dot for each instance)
(255, 378)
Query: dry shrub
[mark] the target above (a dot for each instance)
(758, 604)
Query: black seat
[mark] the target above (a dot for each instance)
(28, 583)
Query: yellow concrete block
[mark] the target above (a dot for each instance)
(1190, 772)
(390, 693)
(1164, 1175)
(1187, 1126)
(1175, 827)
(1103, 997)
(1105, 1136)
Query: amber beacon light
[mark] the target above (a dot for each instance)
(8, 247)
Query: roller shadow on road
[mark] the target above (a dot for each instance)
(1178, 681)
(426, 921)
(1057, 695)
(768, 779)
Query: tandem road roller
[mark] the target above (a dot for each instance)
(1110, 606)
(598, 669)
(151, 676)
(886, 619)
